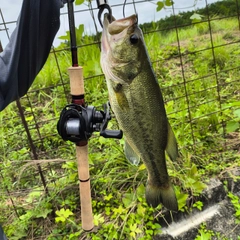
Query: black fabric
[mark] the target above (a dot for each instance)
(2, 235)
(28, 48)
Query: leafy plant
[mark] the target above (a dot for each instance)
(235, 201)
(130, 215)
(63, 215)
(206, 234)
(163, 4)
(79, 2)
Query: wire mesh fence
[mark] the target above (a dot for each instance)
(197, 62)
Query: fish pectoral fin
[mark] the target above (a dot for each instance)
(122, 100)
(120, 96)
(172, 147)
(130, 154)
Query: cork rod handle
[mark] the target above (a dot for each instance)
(77, 89)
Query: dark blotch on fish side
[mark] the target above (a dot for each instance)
(118, 87)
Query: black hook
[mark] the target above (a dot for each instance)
(102, 5)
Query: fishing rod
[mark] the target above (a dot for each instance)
(78, 121)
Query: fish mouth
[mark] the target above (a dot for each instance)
(114, 30)
(111, 27)
(117, 26)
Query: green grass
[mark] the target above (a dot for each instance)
(203, 109)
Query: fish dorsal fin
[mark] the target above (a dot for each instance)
(130, 154)
(172, 148)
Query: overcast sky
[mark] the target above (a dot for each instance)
(146, 13)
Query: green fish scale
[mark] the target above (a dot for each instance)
(144, 123)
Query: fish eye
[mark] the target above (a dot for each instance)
(134, 39)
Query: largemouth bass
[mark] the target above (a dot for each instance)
(137, 103)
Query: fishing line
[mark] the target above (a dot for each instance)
(134, 6)
(94, 21)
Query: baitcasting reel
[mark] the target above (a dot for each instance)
(77, 123)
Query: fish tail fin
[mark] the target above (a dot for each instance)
(161, 194)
